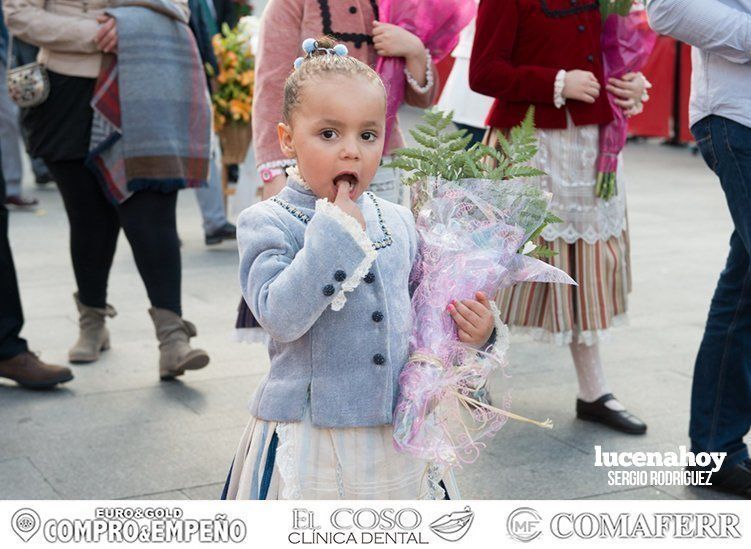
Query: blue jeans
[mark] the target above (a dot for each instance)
(211, 197)
(721, 392)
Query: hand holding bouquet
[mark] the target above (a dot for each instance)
(437, 23)
(627, 41)
(472, 223)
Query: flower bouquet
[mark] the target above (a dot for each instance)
(436, 22)
(233, 94)
(473, 222)
(627, 41)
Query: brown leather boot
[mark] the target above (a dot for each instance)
(93, 336)
(175, 354)
(26, 369)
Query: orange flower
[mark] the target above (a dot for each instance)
(226, 76)
(219, 121)
(216, 42)
(240, 110)
(246, 78)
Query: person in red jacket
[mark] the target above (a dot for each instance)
(546, 53)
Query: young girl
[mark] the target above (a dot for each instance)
(285, 23)
(547, 53)
(324, 267)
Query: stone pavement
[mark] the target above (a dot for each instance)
(117, 432)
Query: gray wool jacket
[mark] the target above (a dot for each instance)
(335, 302)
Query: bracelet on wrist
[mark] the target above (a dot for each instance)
(414, 84)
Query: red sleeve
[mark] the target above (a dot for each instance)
(490, 69)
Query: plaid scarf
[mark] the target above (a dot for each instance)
(152, 114)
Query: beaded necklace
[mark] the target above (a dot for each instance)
(386, 241)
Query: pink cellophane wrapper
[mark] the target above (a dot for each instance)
(469, 235)
(436, 22)
(627, 42)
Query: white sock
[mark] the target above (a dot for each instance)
(591, 376)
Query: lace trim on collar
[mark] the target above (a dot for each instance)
(294, 173)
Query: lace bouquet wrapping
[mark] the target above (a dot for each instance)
(627, 42)
(470, 233)
(436, 22)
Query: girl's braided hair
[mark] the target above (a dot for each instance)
(322, 62)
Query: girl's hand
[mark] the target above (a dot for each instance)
(581, 86)
(345, 203)
(628, 91)
(394, 41)
(106, 36)
(474, 319)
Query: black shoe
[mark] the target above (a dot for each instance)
(619, 420)
(735, 479)
(233, 173)
(227, 232)
(43, 179)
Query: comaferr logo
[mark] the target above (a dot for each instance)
(454, 526)
(642, 525)
(524, 524)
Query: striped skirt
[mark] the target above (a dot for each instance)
(300, 461)
(558, 312)
(591, 245)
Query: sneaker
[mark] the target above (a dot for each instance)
(226, 232)
(28, 370)
(21, 202)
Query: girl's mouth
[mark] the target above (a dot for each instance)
(348, 178)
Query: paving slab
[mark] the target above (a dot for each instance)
(20, 479)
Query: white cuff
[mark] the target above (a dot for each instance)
(428, 76)
(560, 80)
(277, 164)
(647, 87)
(351, 225)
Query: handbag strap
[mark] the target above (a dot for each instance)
(10, 42)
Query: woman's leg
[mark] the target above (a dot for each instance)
(94, 228)
(595, 401)
(590, 374)
(148, 219)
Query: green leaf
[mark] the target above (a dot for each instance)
(543, 252)
(427, 130)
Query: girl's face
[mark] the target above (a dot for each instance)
(336, 134)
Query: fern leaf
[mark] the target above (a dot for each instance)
(514, 172)
(427, 130)
(543, 252)
(426, 141)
